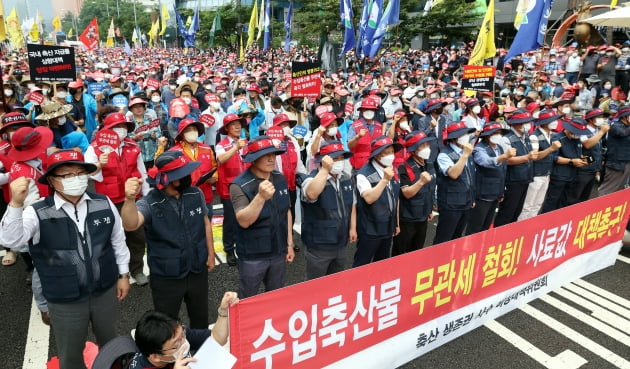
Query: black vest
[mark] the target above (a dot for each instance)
(543, 166)
(267, 236)
(176, 240)
(326, 222)
(72, 266)
(377, 220)
(490, 182)
(418, 207)
(571, 149)
(522, 172)
(618, 144)
(456, 194)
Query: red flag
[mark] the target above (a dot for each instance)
(118, 32)
(89, 37)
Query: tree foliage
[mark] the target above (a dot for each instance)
(454, 20)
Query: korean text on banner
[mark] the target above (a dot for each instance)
(305, 79)
(390, 312)
(478, 78)
(51, 63)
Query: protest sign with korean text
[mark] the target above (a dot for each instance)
(478, 78)
(305, 79)
(51, 63)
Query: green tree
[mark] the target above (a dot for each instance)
(454, 20)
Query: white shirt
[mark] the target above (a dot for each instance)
(362, 182)
(19, 225)
(90, 157)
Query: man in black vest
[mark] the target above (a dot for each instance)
(329, 208)
(264, 238)
(77, 243)
(618, 154)
(180, 248)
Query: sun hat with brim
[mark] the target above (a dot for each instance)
(229, 118)
(192, 85)
(333, 149)
(115, 119)
(434, 104)
(325, 100)
(52, 109)
(65, 157)
(492, 128)
(519, 117)
(415, 139)
(169, 167)
(593, 78)
(623, 111)
(576, 126)
(593, 113)
(456, 130)
(546, 116)
(565, 98)
(118, 91)
(185, 123)
(328, 118)
(28, 142)
(19, 108)
(471, 102)
(136, 101)
(283, 118)
(381, 143)
(14, 120)
(117, 353)
(259, 147)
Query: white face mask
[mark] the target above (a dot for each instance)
(172, 87)
(476, 109)
(332, 131)
(404, 126)
(451, 94)
(566, 111)
(8, 92)
(462, 140)
(536, 114)
(286, 131)
(607, 86)
(600, 121)
(61, 120)
(187, 100)
(155, 99)
(62, 94)
(424, 153)
(75, 186)
(387, 160)
(121, 132)
(191, 136)
(223, 95)
(368, 114)
(435, 96)
(184, 349)
(496, 139)
(553, 125)
(30, 86)
(395, 99)
(337, 167)
(330, 108)
(526, 127)
(44, 91)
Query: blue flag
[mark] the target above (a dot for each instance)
(362, 26)
(346, 20)
(287, 28)
(531, 34)
(128, 48)
(267, 26)
(374, 17)
(191, 32)
(391, 16)
(181, 28)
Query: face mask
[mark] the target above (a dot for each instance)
(607, 86)
(395, 99)
(184, 183)
(566, 111)
(462, 140)
(8, 92)
(553, 125)
(155, 99)
(609, 54)
(61, 121)
(600, 121)
(368, 114)
(30, 86)
(536, 115)
(387, 160)
(476, 109)
(404, 126)
(62, 94)
(172, 87)
(44, 91)
(496, 139)
(75, 186)
(526, 127)
(224, 82)
(539, 88)
(184, 349)
(424, 153)
(420, 94)
(553, 60)
(187, 100)
(191, 136)
(122, 132)
(451, 94)
(332, 131)
(223, 95)
(519, 93)
(330, 108)
(286, 131)
(434, 96)
(337, 167)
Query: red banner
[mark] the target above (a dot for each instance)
(207, 119)
(107, 140)
(387, 313)
(36, 97)
(153, 83)
(306, 79)
(155, 123)
(89, 37)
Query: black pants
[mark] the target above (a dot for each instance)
(512, 205)
(229, 225)
(192, 289)
(451, 224)
(411, 237)
(481, 216)
(136, 242)
(369, 250)
(556, 196)
(581, 188)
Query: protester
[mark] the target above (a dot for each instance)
(618, 155)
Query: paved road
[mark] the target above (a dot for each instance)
(584, 325)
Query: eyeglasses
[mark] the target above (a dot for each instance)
(180, 341)
(69, 175)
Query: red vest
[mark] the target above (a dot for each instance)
(21, 169)
(363, 148)
(118, 170)
(230, 169)
(206, 157)
(289, 164)
(7, 163)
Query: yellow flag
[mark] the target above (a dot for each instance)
(34, 32)
(613, 4)
(14, 30)
(3, 30)
(56, 22)
(111, 33)
(153, 32)
(253, 22)
(484, 47)
(242, 53)
(188, 21)
(165, 17)
(70, 33)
